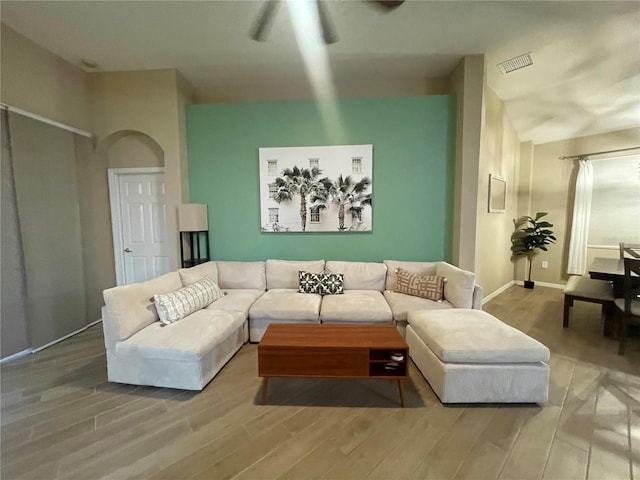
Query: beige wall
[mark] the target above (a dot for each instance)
(137, 118)
(142, 102)
(186, 96)
(298, 87)
(467, 83)
(552, 190)
(35, 80)
(500, 153)
(525, 172)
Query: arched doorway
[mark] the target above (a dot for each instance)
(137, 196)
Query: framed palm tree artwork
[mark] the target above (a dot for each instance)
(316, 189)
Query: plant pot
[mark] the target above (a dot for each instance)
(529, 284)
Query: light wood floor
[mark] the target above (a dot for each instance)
(62, 419)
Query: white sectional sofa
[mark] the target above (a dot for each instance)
(187, 354)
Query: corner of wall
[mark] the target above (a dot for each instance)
(467, 82)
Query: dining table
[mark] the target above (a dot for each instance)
(610, 269)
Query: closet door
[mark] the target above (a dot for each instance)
(13, 331)
(49, 214)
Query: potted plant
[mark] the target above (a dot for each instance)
(530, 235)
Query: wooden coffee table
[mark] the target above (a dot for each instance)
(332, 351)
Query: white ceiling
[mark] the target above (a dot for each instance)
(585, 78)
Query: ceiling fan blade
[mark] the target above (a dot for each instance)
(265, 19)
(388, 5)
(328, 32)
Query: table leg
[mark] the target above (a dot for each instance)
(400, 390)
(265, 384)
(608, 313)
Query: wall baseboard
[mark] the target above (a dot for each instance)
(497, 292)
(16, 356)
(29, 351)
(544, 284)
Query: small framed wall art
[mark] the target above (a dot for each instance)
(497, 194)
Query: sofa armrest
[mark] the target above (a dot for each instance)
(459, 289)
(478, 295)
(110, 336)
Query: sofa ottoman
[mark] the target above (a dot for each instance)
(469, 356)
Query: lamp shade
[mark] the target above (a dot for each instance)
(192, 217)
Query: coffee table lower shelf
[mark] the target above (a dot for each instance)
(265, 385)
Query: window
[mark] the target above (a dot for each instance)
(615, 202)
(314, 163)
(315, 216)
(356, 165)
(273, 215)
(272, 167)
(273, 189)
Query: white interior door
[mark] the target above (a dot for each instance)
(140, 225)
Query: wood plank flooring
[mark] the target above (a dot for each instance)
(61, 419)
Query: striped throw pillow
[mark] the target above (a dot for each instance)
(175, 305)
(430, 287)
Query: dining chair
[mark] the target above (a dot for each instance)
(586, 289)
(631, 250)
(630, 304)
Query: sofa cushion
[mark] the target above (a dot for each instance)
(309, 282)
(189, 339)
(239, 300)
(331, 284)
(193, 274)
(401, 304)
(460, 284)
(473, 336)
(130, 308)
(419, 268)
(430, 287)
(176, 305)
(286, 304)
(245, 275)
(284, 273)
(366, 306)
(360, 275)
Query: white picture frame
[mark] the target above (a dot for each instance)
(497, 194)
(338, 194)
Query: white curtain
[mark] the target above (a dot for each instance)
(580, 226)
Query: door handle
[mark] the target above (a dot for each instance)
(127, 250)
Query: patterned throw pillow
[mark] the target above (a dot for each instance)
(332, 284)
(308, 282)
(430, 287)
(175, 305)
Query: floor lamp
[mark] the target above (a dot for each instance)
(194, 231)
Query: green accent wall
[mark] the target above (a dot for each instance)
(413, 157)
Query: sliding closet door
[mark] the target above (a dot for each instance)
(13, 324)
(49, 212)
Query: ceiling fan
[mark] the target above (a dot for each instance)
(265, 18)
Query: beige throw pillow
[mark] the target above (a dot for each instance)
(430, 287)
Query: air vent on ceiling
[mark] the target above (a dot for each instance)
(515, 63)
